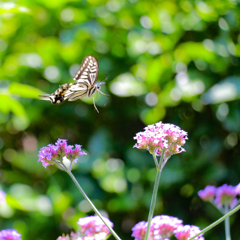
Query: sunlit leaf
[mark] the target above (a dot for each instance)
(24, 90)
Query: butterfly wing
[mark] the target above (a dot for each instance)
(88, 71)
(78, 91)
(61, 94)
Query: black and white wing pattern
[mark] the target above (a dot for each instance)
(61, 94)
(86, 84)
(78, 91)
(88, 71)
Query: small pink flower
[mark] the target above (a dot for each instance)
(92, 225)
(160, 137)
(225, 195)
(164, 226)
(208, 193)
(139, 231)
(73, 154)
(187, 231)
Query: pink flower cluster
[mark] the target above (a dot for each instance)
(93, 225)
(164, 227)
(160, 137)
(221, 196)
(92, 228)
(10, 234)
(187, 231)
(53, 153)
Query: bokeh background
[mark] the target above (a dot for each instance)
(171, 61)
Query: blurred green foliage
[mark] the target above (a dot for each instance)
(175, 61)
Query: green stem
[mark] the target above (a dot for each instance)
(227, 225)
(217, 222)
(92, 205)
(154, 197)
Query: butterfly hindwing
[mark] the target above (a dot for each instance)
(61, 94)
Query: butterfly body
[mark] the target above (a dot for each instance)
(86, 84)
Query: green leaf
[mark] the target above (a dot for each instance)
(24, 90)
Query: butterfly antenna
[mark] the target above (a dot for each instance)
(95, 105)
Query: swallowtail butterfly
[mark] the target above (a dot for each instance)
(86, 84)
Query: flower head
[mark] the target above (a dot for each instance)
(10, 234)
(93, 225)
(55, 153)
(164, 226)
(208, 193)
(139, 231)
(225, 195)
(160, 137)
(187, 231)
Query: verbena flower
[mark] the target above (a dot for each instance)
(161, 137)
(93, 226)
(10, 234)
(2, 197)
(55, 153)
(225, 195)
(164, 226)
(139, 231)
(208, 193)
(187, 231)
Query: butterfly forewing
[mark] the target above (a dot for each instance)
(88, 71)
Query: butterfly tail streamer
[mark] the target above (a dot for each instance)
(44, 97)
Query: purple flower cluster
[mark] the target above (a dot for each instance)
(55, 153)
(92, 228)
(160, 137)
(164, 227)
(224, 195)
(10, 234)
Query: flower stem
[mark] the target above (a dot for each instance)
(92, 205)
(217, 222)
(154, 197)
(227, 225)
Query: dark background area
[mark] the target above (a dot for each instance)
(171, 61)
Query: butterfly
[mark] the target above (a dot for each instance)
(86, 84)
